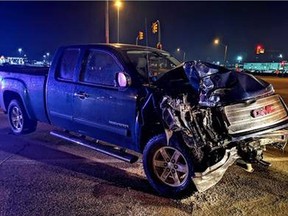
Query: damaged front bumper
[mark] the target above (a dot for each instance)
(212, 175)
(277, 138)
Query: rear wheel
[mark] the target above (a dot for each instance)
(19, 121)
(168, 168)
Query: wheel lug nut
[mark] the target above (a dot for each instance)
(176, 167)
(167, 160)
(168, 170)
(165, 164)
(173, 171)
(173, 161)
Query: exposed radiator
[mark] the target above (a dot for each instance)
(256, 115)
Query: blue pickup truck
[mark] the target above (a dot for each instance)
(190, 121)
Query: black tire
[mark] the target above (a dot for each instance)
(170, 176)
(19, 121)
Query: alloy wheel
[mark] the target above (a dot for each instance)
(170, 166)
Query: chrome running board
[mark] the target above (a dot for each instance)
(97, 146)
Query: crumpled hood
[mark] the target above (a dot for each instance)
(216, 85)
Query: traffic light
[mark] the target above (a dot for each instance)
(140, 35)
(155, 27)
(260, 49)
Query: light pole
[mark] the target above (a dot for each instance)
(217, 42)
(184, 53)
(107, 22)
(47, 57)
(118, 5)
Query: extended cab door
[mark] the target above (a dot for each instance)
(61, 86)
(102, 110)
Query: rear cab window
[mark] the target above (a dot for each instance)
(100, 69)
(68, 64)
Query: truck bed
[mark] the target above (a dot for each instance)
(33, 70)
(30, 84)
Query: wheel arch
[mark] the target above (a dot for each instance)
(150, 131)
(10, 95)
(150, 121)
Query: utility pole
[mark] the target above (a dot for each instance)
(146, 31)
(225, 54)
(118, 5)
(159, 36)
(218, 42)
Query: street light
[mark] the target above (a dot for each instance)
(118, 5)
(184, 54)
(20, 51)
(218, 42)
(239, 59)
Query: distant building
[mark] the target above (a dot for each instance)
(23, 61)
(12, 60)
(266, 67)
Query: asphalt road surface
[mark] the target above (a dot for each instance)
(42, 175)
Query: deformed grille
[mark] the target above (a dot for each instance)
(262, 113)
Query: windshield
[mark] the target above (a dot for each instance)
(151, 63)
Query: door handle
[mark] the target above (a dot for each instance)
(81, 95)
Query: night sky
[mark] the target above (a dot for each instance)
(40, 27)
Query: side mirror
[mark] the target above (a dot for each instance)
(123, 79)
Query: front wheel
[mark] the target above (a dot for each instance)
(19, 121)
(168, 167)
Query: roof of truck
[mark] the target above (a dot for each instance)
(116, 46)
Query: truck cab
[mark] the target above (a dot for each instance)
(83, 94)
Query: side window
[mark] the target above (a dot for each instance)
(100, 68)
(68, 64)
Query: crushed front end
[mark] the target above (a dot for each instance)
(226, 116)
